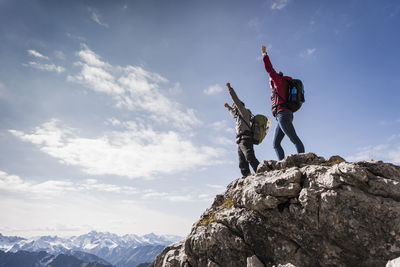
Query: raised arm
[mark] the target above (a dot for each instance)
(242, 110)
(268, 65)
(230, 109)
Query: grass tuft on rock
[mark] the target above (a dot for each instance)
(228, 203)
(207, 219)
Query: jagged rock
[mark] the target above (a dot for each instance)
(253, 261)
(393, 263)
(173, 255)
(302, 211)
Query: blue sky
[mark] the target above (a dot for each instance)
(112, 115)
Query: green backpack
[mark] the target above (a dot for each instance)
(259, 127)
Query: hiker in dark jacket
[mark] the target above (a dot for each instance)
(279, 85)
(243, 133)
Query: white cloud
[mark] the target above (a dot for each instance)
(224, 141)
(90, 58)
(37, 54)
(93, 185)
(46, 67)
(154, 195)
(54, 188)
(132, 88)
(76, 37)
(95, 16)
(175, 198)
(60, 55)
(216, 186)
(224, 126)
(206, 197)
(176, 89)
(56, 228)
(394, 155)
(219, 125)
(136, 151)
(114, 122)
(389, 152)
(15, 184)
(394, 137)
(213, 90)
(279, 4)
(130, 148)
(308, 52)
(151, 194)
(75, 210)
(68, 208)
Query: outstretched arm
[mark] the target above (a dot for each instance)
(236, 100)
(230, 109)
(268, 65)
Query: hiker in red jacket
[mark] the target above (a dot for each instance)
(284, 116)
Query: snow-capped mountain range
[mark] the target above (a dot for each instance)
(43, 259)
(108, 246)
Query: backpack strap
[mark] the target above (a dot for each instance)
(285, 101)
(247, 132)
(251, 116)
(276, 92)
(284, 104)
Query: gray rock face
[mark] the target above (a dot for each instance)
(393, 263)
(302, 211)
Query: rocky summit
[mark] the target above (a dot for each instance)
(302, 211)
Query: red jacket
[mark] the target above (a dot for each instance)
(278, 83)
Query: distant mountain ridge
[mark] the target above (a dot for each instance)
(43, 259)
(87, 242)
(122, 251)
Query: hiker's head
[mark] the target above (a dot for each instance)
(280, 73)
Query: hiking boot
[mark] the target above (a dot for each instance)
(249, 174)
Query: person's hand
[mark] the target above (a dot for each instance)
(230, 89)
(226, 105)
(263, 49)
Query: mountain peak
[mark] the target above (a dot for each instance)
(150, 235)
(302, 211)
(127, 250)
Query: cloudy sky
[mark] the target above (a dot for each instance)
(112, 116)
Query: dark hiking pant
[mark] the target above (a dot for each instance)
(246, 156)
(285, 127)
